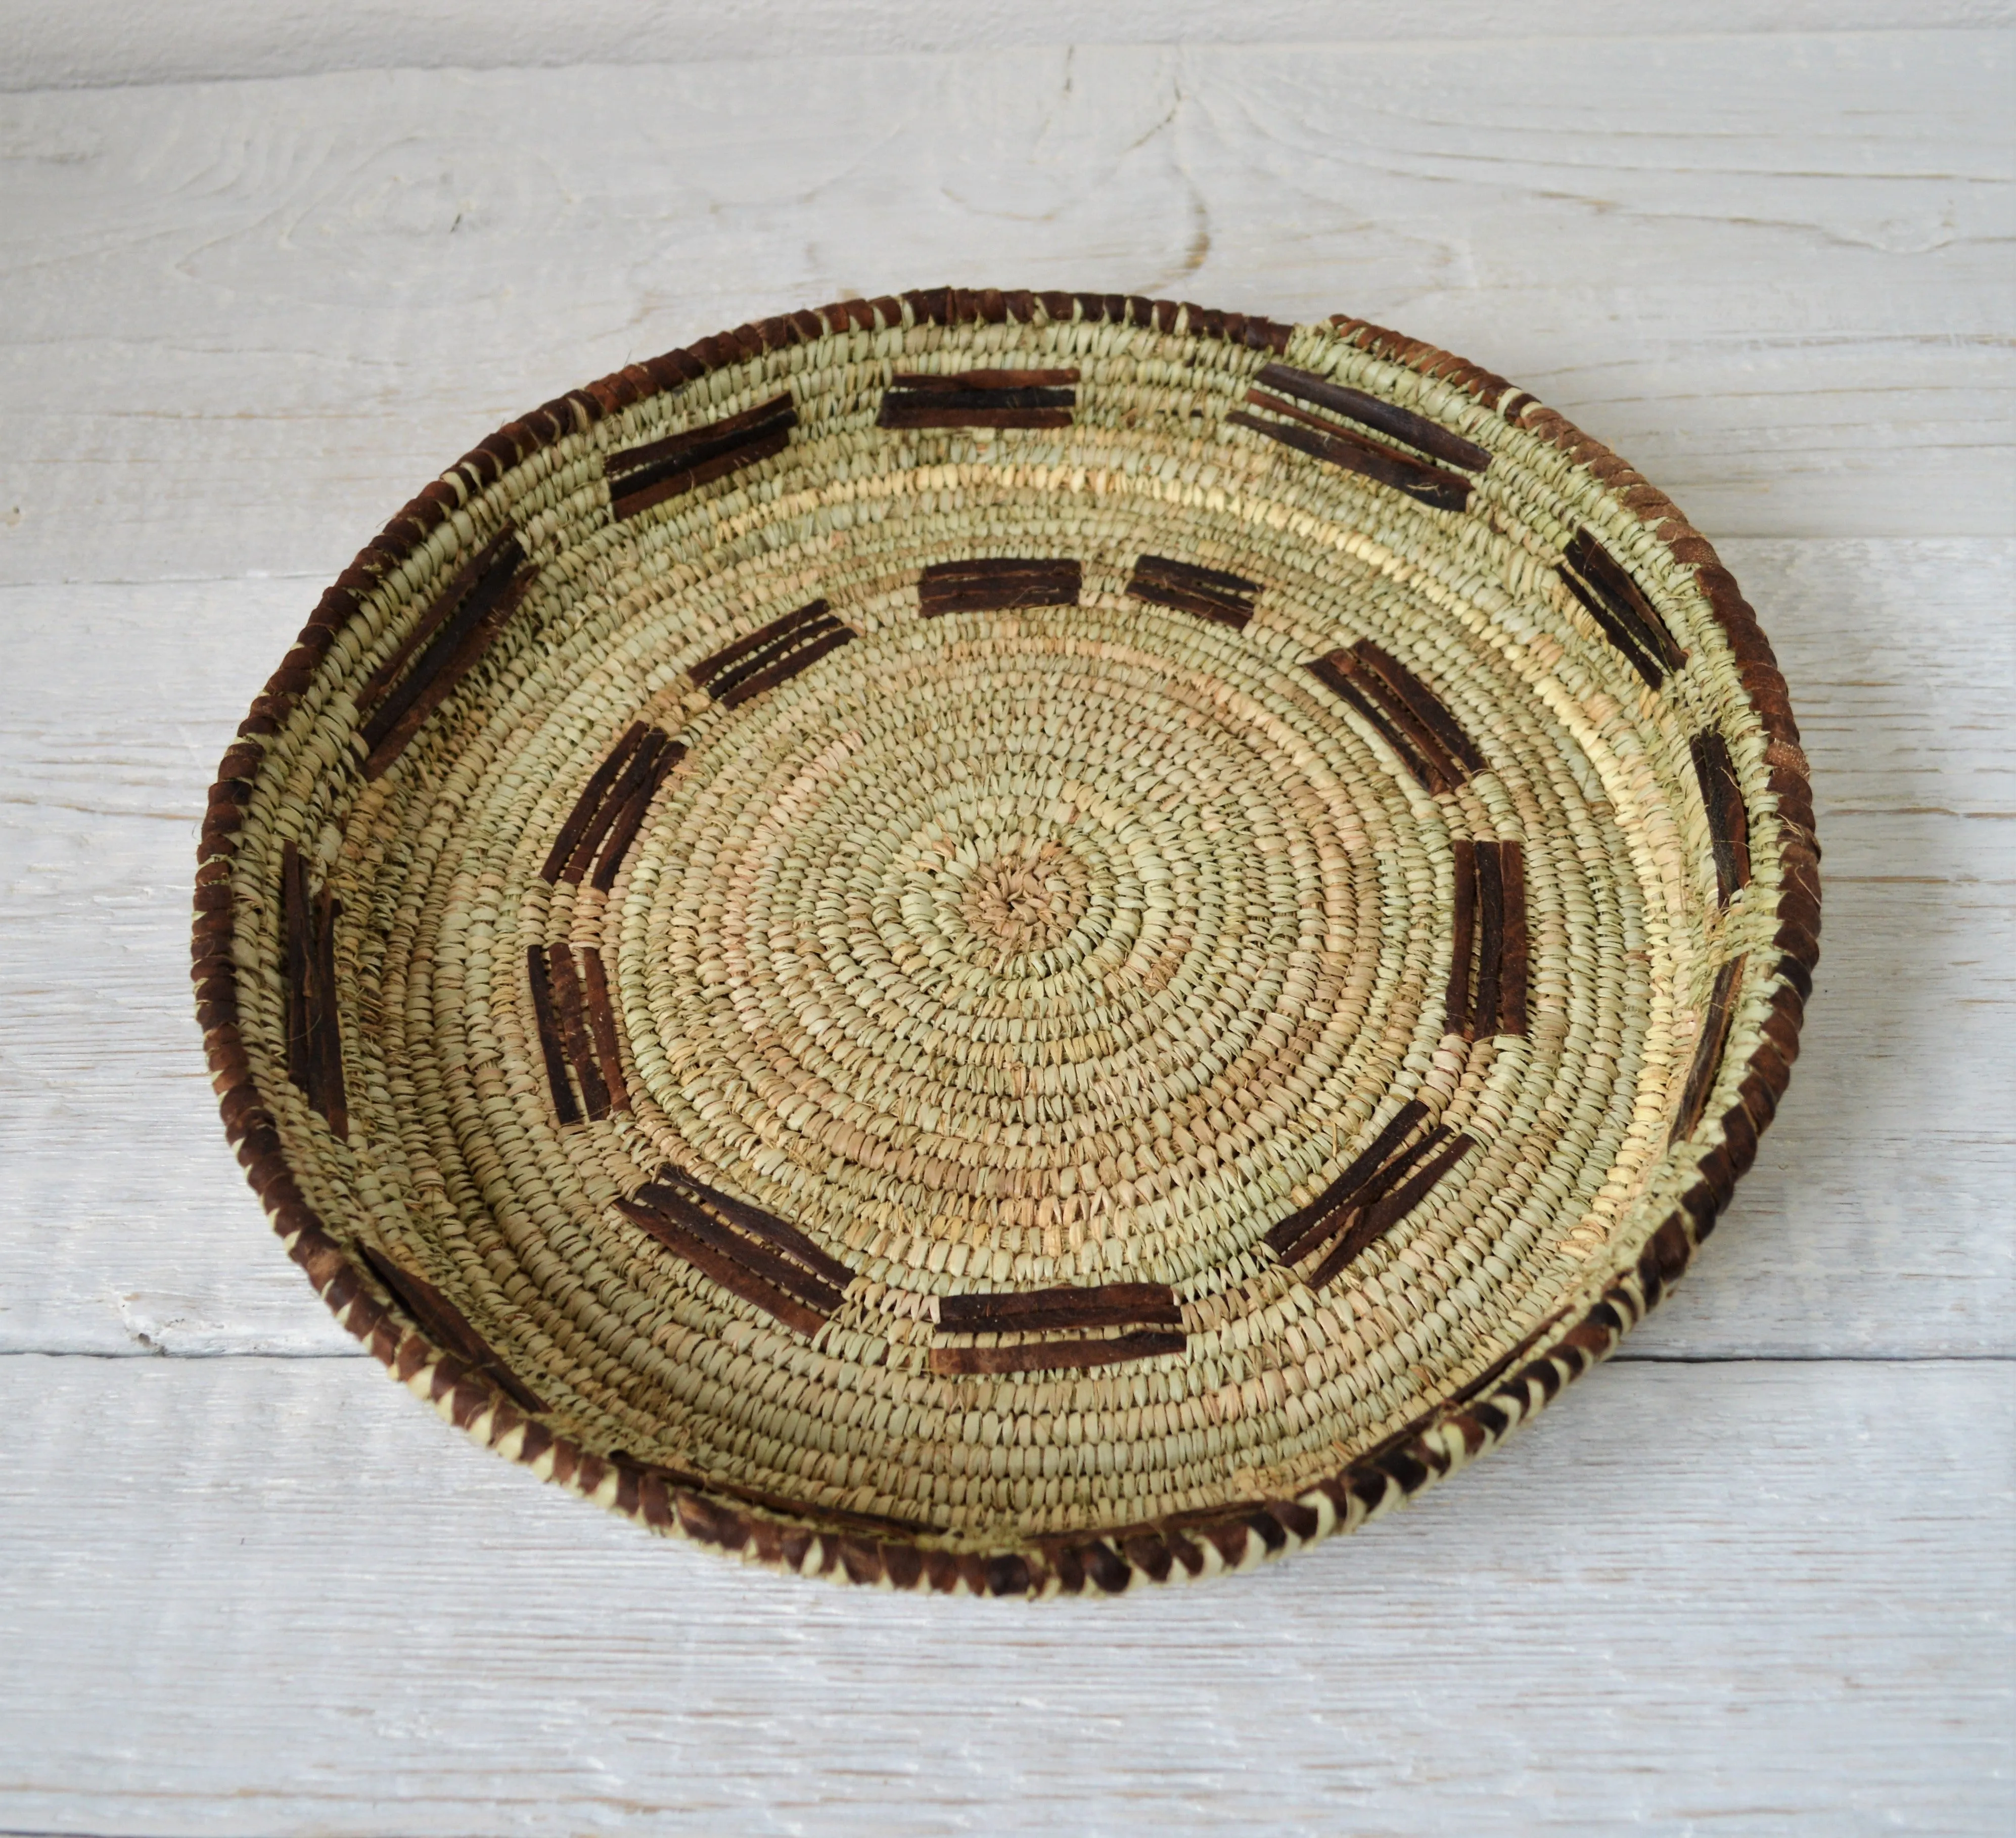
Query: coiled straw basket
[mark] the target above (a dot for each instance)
(1010, 942)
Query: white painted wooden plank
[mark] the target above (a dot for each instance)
(1876, 1222)
(240, 323)
(133, 41)
(279, 1596)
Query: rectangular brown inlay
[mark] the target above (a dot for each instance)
(997, 585)
(1455, 1003)
(1036, 1356)
(566, 985)
(1430, 438)
(602, 1025)
(780, 1232)
(1210, 593)
(980, 398)
(1708, 1049)
(1728, 823)
(730, 1272)
(1377, 1221)
(458, 641)
(1341, 1190)
(1113, 1304)
(642, 476)
(547, 1027)
(588, 807)
(1611, 598)
(1308, 433)
(447, 1325)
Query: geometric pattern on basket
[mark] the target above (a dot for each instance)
(767, 657)
(445, 644)
(640, 477)
(1728, 825)
(1407, 715)
(1613, 600)
(1263, 1411)
(1325, 438)
(1048, 1323)
(605, 819)
(314, 1041)
(1487, 982)
(998, 583)
(577, 1028)
(1392, 1176)
(1210, 593)
(980, 398)
(754, 1254)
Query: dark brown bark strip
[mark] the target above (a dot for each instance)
(1037, 1356)
(564, 1106)
(440, 681)
(602, 1025)
(1439, 490)
(1728, 823)
(1208, 592)
(1455, 1003)
(1347, 1218)
(1491, 938)
(1431, 437)
(1512, 955)
(589, 805)
(725, 1270)
(637, 770)
(755, 663)
(681, 449)
(740, 456)
(831, 639)
(780, 1232)
(1708, 1049)
(493, 553)
(1421, 737)
(623, 832)
(1113, 1304)
(444, 1324)
(777, 631)
(1377, 1221)
(1336, 672)
(1297, 1234)
(980, 398)
(1635, 654)
(1606, 575)
(480, 600)
(1428, 707)
(757, 1259)
(298, 922)
(998, 583)
(327, 1032)
(643, 476)
(566, 985)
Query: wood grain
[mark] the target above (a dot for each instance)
(247, 1597)
(1759, 268)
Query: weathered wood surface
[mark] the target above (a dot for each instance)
(1756, 1577)
(250, 1597)
(244, 320)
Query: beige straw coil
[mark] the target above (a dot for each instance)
(1011, 943)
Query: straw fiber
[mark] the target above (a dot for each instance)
(1011, 943)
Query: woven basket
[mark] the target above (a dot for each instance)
(1003, 942)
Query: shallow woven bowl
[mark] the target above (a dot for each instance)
(1011, 942)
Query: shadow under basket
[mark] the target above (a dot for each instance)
(1011, 943)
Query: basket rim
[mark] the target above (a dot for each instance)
(859, 1548)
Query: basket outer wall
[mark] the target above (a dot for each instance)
(1463, 1427)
